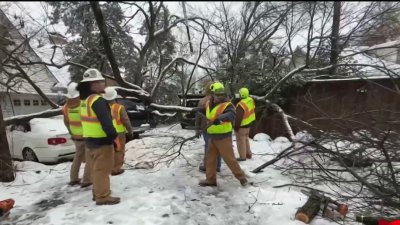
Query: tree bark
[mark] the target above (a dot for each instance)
(6, 166)
(309, 210)
(187, 26)
(107, 45)
(335, 37)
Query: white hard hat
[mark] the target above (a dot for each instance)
(92, 75)
(72, 92)
(110, 93)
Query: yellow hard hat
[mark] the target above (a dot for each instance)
(217, 88)
(244, 92)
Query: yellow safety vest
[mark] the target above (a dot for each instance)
(116, 115)
(224, 127)
(248, 106)
(74, 120)
(91, 125)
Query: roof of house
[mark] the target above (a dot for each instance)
(39, 74)
(328, 78)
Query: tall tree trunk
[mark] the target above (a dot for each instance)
(6, 166)
(335, 37)
(107, 43)
(187, 27)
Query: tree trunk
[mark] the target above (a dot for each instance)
(106, 43)
(335, 37)
(6, 166)
(309, 210)
(187, 27)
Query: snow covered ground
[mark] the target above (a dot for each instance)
(162, 195)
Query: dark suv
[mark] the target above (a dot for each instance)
(189, 118)
(139, 114)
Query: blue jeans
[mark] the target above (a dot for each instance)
(206, 137)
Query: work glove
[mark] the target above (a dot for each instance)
(130, 136)
(217, 122)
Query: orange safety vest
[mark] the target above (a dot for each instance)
(248, 107)
(116, 115)
(74, 121)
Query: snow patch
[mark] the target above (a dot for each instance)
(262, 137)
(281, 140)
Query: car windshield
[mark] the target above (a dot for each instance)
(192, 103)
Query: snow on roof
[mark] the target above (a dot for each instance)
(377, 66)
(350, 79)
(387, 44)
(45, 53)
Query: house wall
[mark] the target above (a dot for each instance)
(341, 106)
(10, 109)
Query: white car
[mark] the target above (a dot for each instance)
(41, 140)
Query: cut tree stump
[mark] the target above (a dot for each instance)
(309, 210)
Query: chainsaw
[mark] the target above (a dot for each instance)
(331, 208)
(5, 207)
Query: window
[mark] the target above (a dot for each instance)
(17, 102)
(27, 102)
(35, 102)
(43, 102)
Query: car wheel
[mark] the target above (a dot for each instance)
(29, 155)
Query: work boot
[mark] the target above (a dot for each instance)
(118, 172)
(76, 182)
(205, 183)
(83, 185)
(108, 201)
(241, 159)
(244, 182)
(202, 168)
(248, 156)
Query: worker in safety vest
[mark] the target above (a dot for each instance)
(201, 126)
(122, 125)
(245, 116)
(72, 120)
(99, 134)
(220, 115)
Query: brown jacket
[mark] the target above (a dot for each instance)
(125, 120)
(201, 121)
(239, 117)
